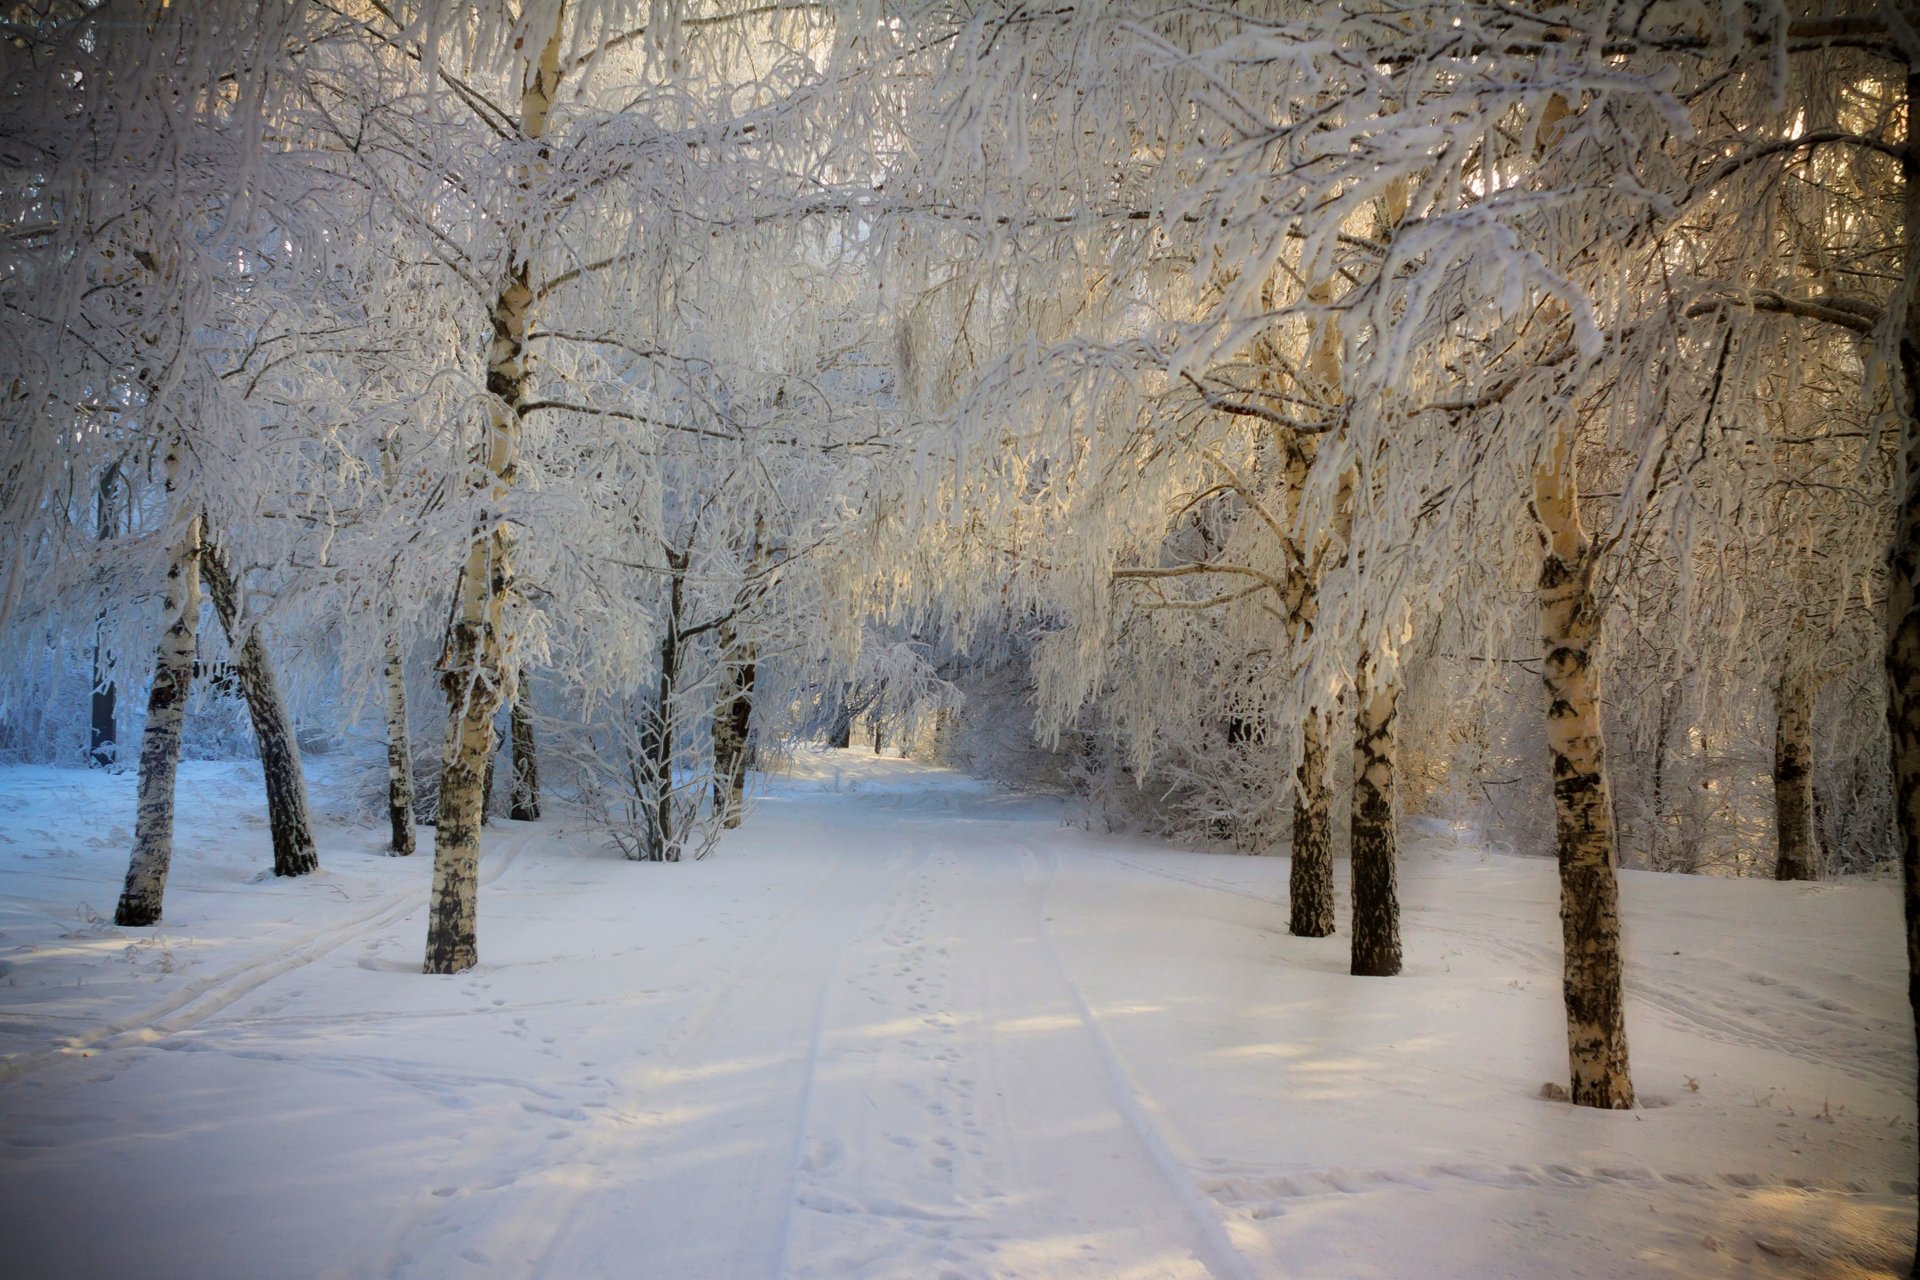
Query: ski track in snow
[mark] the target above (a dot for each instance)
(1168, 1155)
(921, 1032)
(1818, 1029)
(201, 999)
(1262, 1193)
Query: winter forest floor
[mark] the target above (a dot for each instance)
(902, 1024)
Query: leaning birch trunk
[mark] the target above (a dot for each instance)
(1903, 586)
(1793, 779)
(1583, 805)
(1376, 899)
(286, 783)
(474, 667)
(526, 761)
(160, 745)
(399, 750)
(732, 721)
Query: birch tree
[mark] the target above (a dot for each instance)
(475, 667)
(141, 898)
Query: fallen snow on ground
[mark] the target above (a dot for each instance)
(904, 1025)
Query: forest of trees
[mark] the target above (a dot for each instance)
(1172, 401)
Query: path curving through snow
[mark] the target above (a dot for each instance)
(903, 1024)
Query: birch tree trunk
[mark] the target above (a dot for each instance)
(1310, 877)
(1376, 900)
(486, 780)
(732, 720)
(399, 749)
(103, 745)
(840, 732)
(474, 667)
(286, 783)
(526, 761)
(103, 734)
(160, 745)
(656, 739)
(399, 746)
(1583, 806)
(733, 712)
(1310, 874)
(1793, 779)
(657, 745)
(1663, 731)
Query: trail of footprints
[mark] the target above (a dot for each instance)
(893, 1048)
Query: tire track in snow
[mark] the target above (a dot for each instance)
(724, 986)
(194, 1002)
(545, 1167)
(1197, 882)
(1169, 1157)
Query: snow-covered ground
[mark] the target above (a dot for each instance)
(904, 1025)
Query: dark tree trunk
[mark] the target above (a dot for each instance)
(104, 735)
(103, 746)
(1376, 900)
(526, 761)
(1663, 729)
(1310, 877)
(840, 734)
(1793, 780)
(399, 749)
(732, 722)
(656, 739)
(286, 783)
(1903, 586)
(486, 783)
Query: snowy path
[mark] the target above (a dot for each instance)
(902, 1025)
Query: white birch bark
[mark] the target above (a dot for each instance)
(399, 749)
(1376, 900)
(475, 665)
(1310, 874)
(288, 819)
(140, 899)
(399, 746)
(1582, 801)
